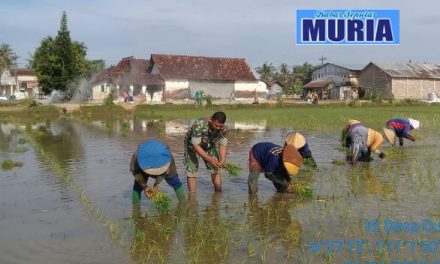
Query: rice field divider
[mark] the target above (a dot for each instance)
(85, 201)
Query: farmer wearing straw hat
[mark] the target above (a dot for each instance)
(278, 164)
(300, 143)
(201, 140)
(399, 127)
(153, 159)
(362, 141)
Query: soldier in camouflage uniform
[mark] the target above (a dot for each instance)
(201, 140)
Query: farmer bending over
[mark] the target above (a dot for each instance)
(201, 140)
(362, 141)
(154, 159)
(399, 127)
(300, 143)
(278, 164)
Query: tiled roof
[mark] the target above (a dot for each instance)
(410, 70)
(22, 72)
(129, 71)
(202, 68)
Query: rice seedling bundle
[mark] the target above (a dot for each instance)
(161, 202)
(301, 189)
(232, 169)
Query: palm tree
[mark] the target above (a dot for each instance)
(7, 57)
(267, 72)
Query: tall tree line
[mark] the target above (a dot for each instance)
(59, 62)
(292, 78)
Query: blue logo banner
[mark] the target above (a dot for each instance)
(347, 27)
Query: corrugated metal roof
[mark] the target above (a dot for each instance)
(317, 84)
(410, 70)
(351, 67)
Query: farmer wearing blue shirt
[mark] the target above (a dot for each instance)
(399, 127)
(153, 159)
(278, 164)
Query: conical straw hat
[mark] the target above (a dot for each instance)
(295, 139)
(390, 135)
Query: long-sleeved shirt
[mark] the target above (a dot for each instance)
(401, 126)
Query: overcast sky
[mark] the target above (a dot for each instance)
(257, 30)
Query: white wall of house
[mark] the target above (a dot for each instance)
(250, 86)
(247, 89)
(27, 78)
(100, 91)
(172, 85)
(215, 89)
(7, 83)
(176, 89)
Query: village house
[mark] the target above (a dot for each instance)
(274, 90)
(336, 82)
(400, 80)
(20, 79)
(130, 77)
(221, 78)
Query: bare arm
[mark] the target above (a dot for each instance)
(223, 149)
(212, 160)
(410, 137)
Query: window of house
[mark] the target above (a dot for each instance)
(102, 88)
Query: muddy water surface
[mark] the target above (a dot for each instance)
(71, 201)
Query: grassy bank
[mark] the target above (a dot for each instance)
(326, 117)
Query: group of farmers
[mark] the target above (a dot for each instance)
(153, 158)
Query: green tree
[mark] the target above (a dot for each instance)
(7, 57)
(59, 62)
(267, 72)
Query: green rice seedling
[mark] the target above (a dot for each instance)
(161, 202)
(338, 162)
(309, 163)
(21, 141)
(301, 189)
(232, 169)
(8, 164)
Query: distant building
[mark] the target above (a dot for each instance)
(400, 80)
(274, 89)
(222, 78)
(342, 78)
(13, 80)
(321, 88)
(129, 77)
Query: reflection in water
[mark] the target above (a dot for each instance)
(8, 137)
(154, 237)
(207, 234)
(365, 180)
(154, 127)
(258, 125)
(61, 141)
(273, 221)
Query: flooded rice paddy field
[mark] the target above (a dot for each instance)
(70, 202)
